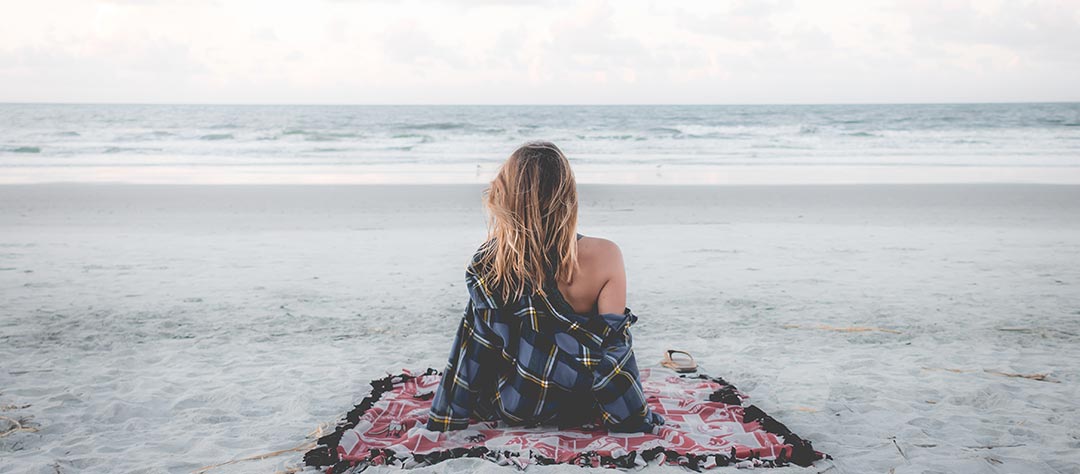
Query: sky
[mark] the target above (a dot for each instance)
(539, 52)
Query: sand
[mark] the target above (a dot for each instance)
(164, 328)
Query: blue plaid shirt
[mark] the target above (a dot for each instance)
(535, 361)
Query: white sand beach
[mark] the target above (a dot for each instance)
(157, 328)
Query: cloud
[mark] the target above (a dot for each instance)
(742, 21)
(264, 34)
(544, 51)
(589, 35)
(107, 72)
(1048, 29)
(408, 43)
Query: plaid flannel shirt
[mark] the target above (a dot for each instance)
(535, 361)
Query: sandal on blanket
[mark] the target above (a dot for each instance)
(681, 365)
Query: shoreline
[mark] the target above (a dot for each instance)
(630, 174)
(484, 184)
(327, 206)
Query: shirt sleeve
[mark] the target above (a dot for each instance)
(617, 389)
(468, 372)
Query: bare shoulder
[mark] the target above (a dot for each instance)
(599, 253)
(603, 274)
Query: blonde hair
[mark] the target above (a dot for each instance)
(532, 210)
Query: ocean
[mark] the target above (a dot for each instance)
(648, 144)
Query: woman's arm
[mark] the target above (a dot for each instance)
(475, 358)
(612, 299)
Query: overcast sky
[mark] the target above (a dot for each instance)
(539, 52)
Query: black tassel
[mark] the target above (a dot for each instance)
(325, 454)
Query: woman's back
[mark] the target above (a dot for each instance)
(545, 336)
(534, 359)
(599, 284)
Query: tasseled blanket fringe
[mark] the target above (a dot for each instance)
(325, 454)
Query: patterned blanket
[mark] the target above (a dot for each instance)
(707, 425)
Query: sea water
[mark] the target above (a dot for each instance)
(649, 144)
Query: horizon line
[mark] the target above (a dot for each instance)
(657, 104)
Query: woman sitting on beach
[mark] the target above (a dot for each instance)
(545, 335)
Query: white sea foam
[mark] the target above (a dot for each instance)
(244, 144)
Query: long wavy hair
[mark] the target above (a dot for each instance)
(532, 209)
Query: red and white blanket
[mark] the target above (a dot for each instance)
(707, 424)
